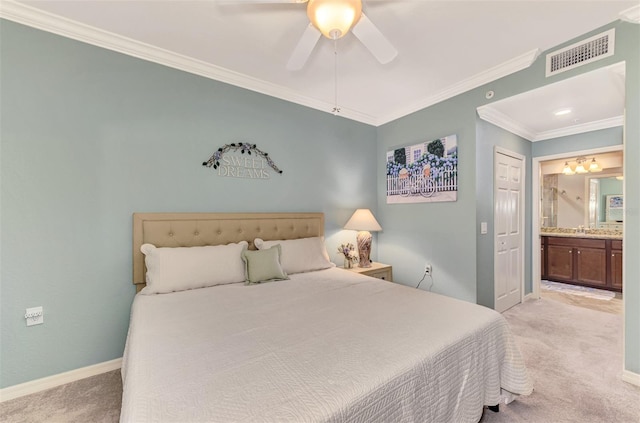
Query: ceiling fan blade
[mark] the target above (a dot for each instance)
(304, 48)
(373, 39)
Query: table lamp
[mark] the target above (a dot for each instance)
(363, 222)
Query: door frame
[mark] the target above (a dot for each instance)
(536, 201)
(523, 205)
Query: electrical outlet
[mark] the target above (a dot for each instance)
(428, 269)
(34, 316)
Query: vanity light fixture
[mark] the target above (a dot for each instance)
(580, 168)
(594, 166)
(567, 169)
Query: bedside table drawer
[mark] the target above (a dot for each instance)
(381, 274)
(377, 270)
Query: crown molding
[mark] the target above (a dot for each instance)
(580, 129)
(36, 18)
(511, 66)
(631, 14)
(505, 122)
(33, 17)
(26, 15)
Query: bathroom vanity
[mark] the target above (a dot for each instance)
(587, 259)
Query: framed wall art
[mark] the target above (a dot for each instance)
(615, 208)
(423, 172)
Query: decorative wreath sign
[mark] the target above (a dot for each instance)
(241, 166)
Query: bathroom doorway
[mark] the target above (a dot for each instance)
(578, 245)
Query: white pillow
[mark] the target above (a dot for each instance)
(300, 255)
(181, 268)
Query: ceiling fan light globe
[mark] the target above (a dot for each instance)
(334, 18)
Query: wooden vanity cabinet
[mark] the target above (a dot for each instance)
(559, 261)
(616, 264)
(591, 265)
(583, 261)
(543, 259)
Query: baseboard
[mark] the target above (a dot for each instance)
(630, 377)
(38, 385)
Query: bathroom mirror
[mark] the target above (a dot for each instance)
(605, 201)
(570, 201)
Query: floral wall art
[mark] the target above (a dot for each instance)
(423, 172)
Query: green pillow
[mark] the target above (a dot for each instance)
(263, 265)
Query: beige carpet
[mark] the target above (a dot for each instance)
(95, 399)
(574, 355)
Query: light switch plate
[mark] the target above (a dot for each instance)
(483, 228)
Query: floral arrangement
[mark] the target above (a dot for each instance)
(349, 253)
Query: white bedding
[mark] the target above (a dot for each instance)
(325, 346)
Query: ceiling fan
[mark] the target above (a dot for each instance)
(334, 19)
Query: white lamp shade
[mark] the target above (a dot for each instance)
(363, 220)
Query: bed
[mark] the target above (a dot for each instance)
(323, 345)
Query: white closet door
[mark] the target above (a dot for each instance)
(508, 224)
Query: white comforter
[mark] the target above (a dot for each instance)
(326, 346)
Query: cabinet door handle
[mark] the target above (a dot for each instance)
(578, 251)
(570, 251)
(613, 255)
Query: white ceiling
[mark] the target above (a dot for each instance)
(595, 100)
(444, 47)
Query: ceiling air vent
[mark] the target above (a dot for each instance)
(586, 51)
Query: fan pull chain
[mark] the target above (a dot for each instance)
(336, 109)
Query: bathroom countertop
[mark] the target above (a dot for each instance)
(589, 233)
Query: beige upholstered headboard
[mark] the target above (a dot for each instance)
(198, 229)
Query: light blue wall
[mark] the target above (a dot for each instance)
(447, 234)
(609, 137)
(443, 233)
(488, 137)
(628, 41)
(90, 136)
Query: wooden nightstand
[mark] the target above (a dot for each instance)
(377, 270)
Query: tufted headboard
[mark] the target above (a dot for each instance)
(198, 229)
